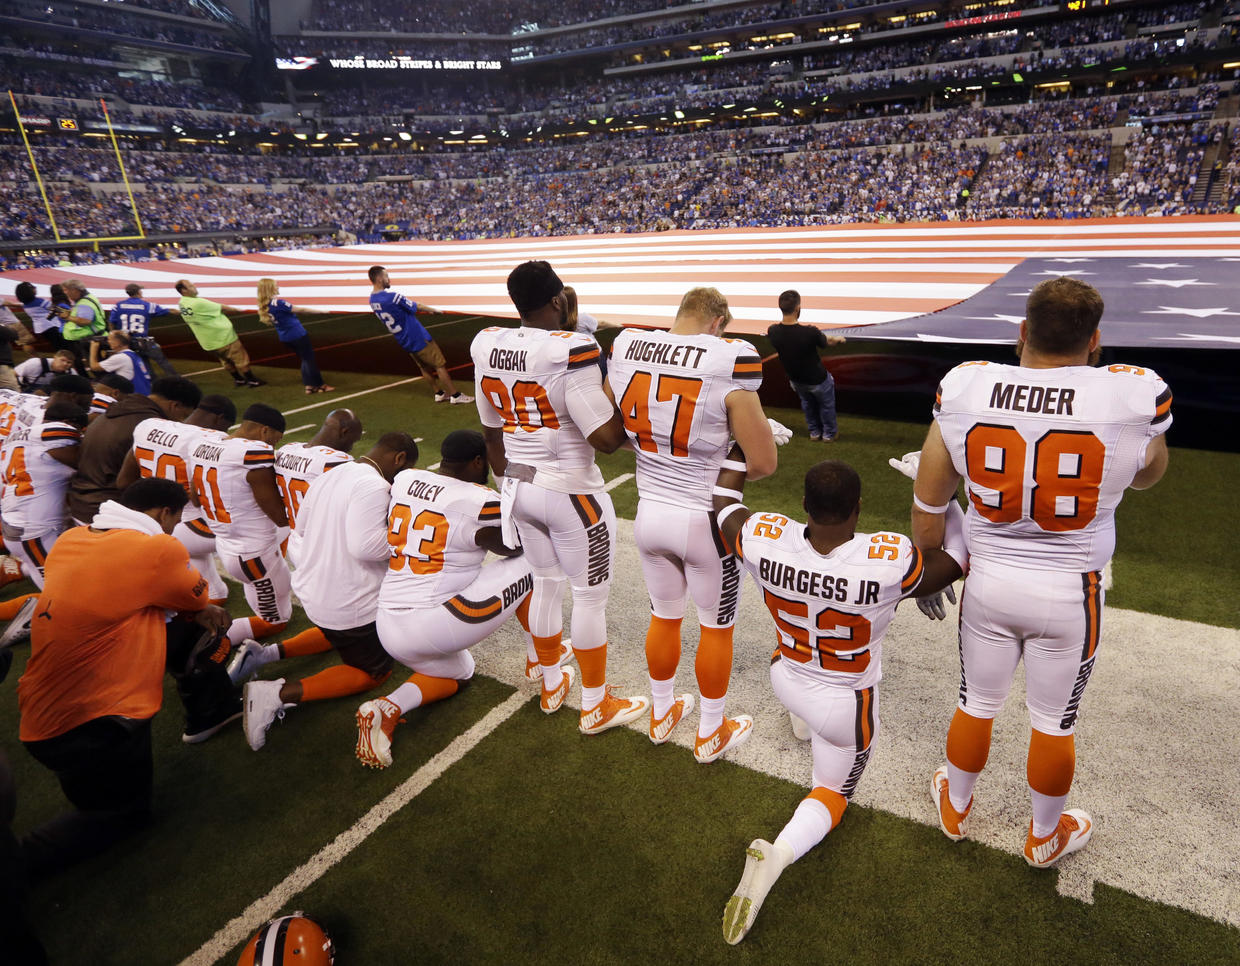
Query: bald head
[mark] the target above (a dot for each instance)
(340, 430)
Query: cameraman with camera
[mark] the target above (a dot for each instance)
(121, 359)
(132, 316)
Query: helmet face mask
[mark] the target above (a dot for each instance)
(293, 940)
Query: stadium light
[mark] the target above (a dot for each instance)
(462, 132)
(680, 115)
(405, 136)
(1232, 66)
(300, 137)
(321, 136)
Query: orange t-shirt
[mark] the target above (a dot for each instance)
(97, 639)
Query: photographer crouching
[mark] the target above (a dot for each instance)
(121, 360)
(94, 679)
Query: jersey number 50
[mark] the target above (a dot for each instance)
(1067, 472)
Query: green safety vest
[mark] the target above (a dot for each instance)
(74, 330)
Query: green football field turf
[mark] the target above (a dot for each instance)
(541, 845)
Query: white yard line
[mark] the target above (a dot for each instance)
(300, 879)
(298, 429)
(618, 481)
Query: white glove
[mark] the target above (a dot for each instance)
(508, 527)
(781, 432)
(907, 464)
(932, 606)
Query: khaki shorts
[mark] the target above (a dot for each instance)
(430, 355)
(234, 357)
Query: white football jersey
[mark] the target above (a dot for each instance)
(217, 474)
(12, 403)
(100, 403)
(35, 484)
(432, 524)
(1046, 455)
(162, 446)
(297, 466)
(671, 390)
(545, 390)
(832, 611)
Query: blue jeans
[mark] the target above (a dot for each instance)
(310, 374)
(818, 404)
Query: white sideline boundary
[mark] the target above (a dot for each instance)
(301, 878)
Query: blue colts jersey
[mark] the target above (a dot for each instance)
(133, 316)
(400, 315)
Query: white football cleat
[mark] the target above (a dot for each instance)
(764, 863)
(19, 627)
(1073, 832)
(247, 659)
(733, 733)
(261, 706)
(376, 722)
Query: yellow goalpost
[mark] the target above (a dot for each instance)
(47, 205)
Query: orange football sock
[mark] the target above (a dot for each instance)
(548, 649)
(433, 689)
(1052, 763)
(260, 628)
(663, 647)
(835, 802)
(337, 682)
(593, 664)
(968, 741)
(714, 661)
(310, 641)
(220, 601)
(9, 608)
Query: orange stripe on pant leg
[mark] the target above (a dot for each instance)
(865, 718)
(1093, 613)
(968, 741)
(662, 647)
(35, 549)
(835, 802)
(469, 611)
(714, 661)
(588, 510)
(1051, 764)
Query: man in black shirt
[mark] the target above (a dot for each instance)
(798, 347)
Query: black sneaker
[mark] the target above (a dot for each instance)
(253, 381)
(199, 731)
(240, 383)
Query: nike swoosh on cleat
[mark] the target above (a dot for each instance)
(709, 749)
(664, 727)
(1044, 851)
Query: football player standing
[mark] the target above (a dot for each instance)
(1046, 449)
(683, 394)
(544, 413)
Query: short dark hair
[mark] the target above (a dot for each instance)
(264, 415)
(25, 292)
(154, 493)
(71, 383)
(375, 272)
(63, 411)
(114, 381)
(218, 405)
(1061, 315)
(57, 292)
(832, 491)
(399, 443)
(789, 300)
(180, 286)
(118, 334)
(132, 289)
(531, 285)
(462, 446)
(178, 390)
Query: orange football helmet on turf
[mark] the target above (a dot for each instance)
(295, 940)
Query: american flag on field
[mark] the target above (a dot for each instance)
(1173, 278)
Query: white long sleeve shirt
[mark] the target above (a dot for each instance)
(340, 547)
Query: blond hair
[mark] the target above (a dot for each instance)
(705, 305)
(266, 289)
(570, 307)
